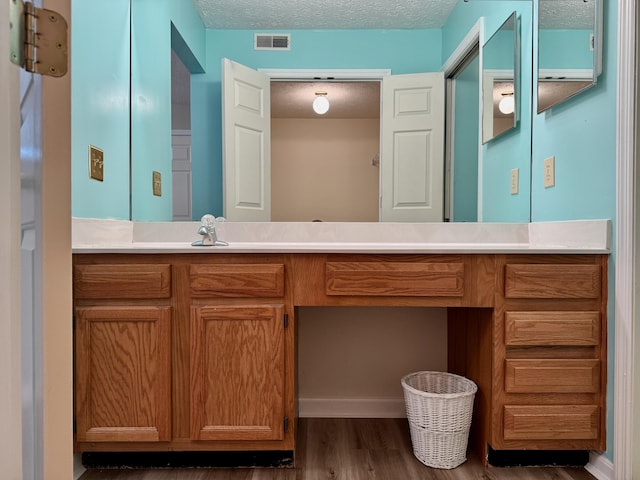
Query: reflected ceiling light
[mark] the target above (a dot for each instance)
(507, 104)
(321, 103)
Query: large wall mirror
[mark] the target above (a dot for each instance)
(569, 49)
(152, 30)
(500, 82)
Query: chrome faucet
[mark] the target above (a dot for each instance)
(208, 231)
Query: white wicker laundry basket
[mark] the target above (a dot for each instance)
(439, 409)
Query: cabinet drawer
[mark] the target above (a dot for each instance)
(395, 279)
(552, 376)
(111, 281)
(552, 328)
(552, 281)
(237, 280)
(551, 422)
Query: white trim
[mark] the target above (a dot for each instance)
(600, 467)
(565, 74)
(624, 372)
(276, 74)
(179, 132)
(473, 37)
(78, 468)
(389, 407)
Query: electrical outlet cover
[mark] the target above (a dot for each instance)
(515, 174)
(157, 184)
(96, 163)
(549, 172)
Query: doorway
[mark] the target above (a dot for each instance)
(325, 167)
(412, 144)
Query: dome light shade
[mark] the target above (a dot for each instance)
(321, 103)
(507, 104)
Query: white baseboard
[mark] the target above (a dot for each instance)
(352, 407)
(600, 467)
(78, 468)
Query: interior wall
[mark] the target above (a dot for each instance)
(321, 169)
(100, 105)
(465, 144)
(348, 361)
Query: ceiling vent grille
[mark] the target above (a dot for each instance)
(272, 41)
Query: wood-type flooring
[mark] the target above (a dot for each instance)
(351, 449)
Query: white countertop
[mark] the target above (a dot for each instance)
(117, 236)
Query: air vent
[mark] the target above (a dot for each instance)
(272, 41)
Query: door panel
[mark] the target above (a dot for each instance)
(246, 111)
(123, 374)
(237, 372)
(412, 163)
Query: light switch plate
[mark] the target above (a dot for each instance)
(515, 174)
(96, 163)
(157, 184)
(549, 172)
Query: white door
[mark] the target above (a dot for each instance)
(246, 137)
(181, 176)
(412, 144)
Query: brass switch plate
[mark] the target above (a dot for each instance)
(96, 163)
(157, 184)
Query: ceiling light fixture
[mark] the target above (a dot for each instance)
(507, 104)
(321, 103)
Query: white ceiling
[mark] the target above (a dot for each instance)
(323, 14)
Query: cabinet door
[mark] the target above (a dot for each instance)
(237, 372)
(123, 374)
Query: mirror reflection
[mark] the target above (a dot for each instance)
(500, 97)
(146, 33)
(569, 49)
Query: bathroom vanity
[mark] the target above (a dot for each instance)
(181, 348)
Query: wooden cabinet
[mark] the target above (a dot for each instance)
(197, 352)
(538, 356)
(549, 351)
(182, 352)
(122, 354)
(237, 352)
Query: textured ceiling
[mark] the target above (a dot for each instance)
(567, 14)
(323, 14)
(346, 99)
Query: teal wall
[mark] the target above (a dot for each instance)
(512, 149)
(465, 145)
(157, 25)
(565, 49)
(100, 106)
(402, 51)
(581, 134)
(117, 90)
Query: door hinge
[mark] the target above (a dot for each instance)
(286, 424)
(38, 39)
(286, 320)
